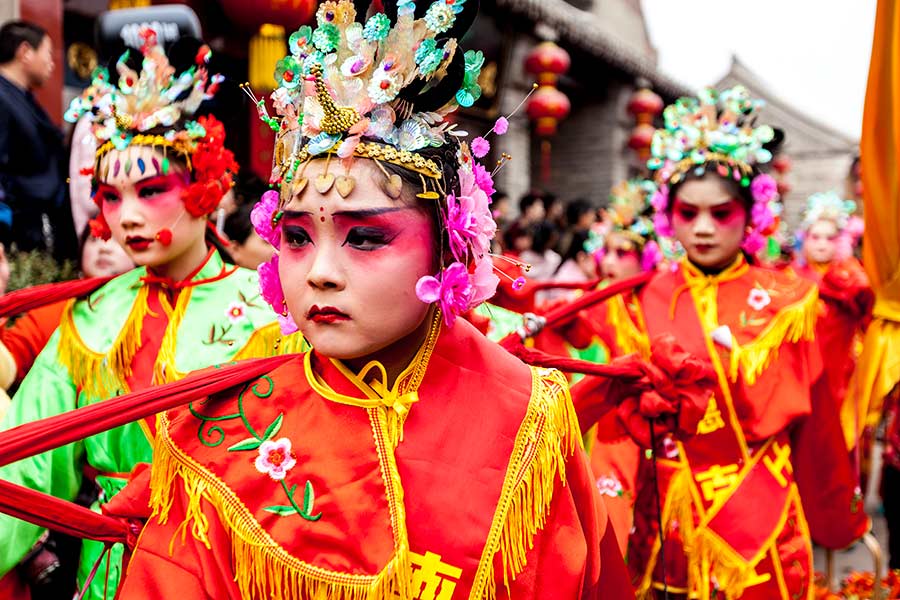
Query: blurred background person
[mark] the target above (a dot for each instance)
(32, 156)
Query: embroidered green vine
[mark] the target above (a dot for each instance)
(275, 456)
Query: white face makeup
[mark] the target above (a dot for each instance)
(349, 266)
(140, 201)
(821, 242)
(709, 220)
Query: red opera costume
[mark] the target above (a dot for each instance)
(769, 439)
(515, 476)
(728, 505)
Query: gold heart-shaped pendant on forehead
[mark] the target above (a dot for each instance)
(393, 186)
(344, 184)
(298, 186)
(324, 182)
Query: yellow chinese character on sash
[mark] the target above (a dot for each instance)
(717, 480)
(431, 578)
(781, 462)
(712, 419)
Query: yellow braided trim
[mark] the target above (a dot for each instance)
(102, 375)
(793, 323)
(269, 341)
(549, 434)
(629, 337)
(164, 369)
(262, 568)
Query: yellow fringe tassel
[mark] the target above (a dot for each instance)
(102, 375)
(262, 568)
(548, 436)
(164, 370)
(792, 324)
(269, 341)
(629, 338)
(676, 509)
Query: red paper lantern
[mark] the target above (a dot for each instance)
(784, 187)
(548, 61)
(641, 138)
(644, 104)
(547, 107)
(252, 14)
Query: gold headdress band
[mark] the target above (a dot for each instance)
(402, 158)
(686, 164)
(150, 140)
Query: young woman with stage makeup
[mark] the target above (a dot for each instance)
(765, 472)
(157, 175)
(406, 456)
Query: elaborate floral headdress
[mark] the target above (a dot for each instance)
(629, 212)
(151, 108)
(715, 130)
(832, 207)
(379, 86)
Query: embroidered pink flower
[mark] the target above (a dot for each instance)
(480, 147)
(236, 312)
(261, 217)
(275, 458)
(763, 188)
(758, 299)
(451, 289)
(501, 126)
(608, 485)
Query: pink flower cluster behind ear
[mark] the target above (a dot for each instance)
(263, 217)
(469, 280)
(764, 190)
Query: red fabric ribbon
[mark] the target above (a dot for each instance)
(565, 313)
(24, 300)
(36, 437)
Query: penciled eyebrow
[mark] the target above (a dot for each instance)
(363, 213)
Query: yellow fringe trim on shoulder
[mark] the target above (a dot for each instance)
(549, 434)
(793, 323)
(262, 568)
(629, 337)
(102, 375)
(164, 369)
(269, 341)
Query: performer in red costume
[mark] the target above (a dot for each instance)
(406, 456)
(828, 234)
(765, 472)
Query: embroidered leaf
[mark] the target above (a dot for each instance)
(248, 444)
(281, 511)
(242, 297)
(309, 498)
(272, 430)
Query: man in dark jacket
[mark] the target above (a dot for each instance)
(32, 155)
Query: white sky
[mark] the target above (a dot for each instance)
(811, 53)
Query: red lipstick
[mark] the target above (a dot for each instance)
(326, 314)
(138, 243)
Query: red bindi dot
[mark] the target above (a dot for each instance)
(321, 209)
(322, 219)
